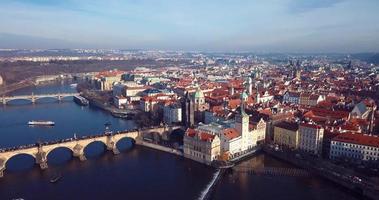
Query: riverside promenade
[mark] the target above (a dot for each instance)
(341, 176)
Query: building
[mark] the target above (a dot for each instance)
(118, 90)
(120, 101)
(201, 146)
(1, 80)
(310, 99)
(291, 97)
(172, 113)
(131, 91)
(310, 138)
(235, 137)
(286, 134)
(360, 110)
(188, 111)
(259, 131)
(355, 147)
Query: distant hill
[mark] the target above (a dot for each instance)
(368, 57)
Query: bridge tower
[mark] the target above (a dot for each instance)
(41, 157)
(33, 98)
(59, 97)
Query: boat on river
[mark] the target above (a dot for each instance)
(56, 178)
(41, 123)
(81, 100)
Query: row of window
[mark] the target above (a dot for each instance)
(336, 154)
(355, 146)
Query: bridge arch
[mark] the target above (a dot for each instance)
(14, 156)
(36, 99)
(57, 149)
(120, 141)
(24, 100)
(88, 144)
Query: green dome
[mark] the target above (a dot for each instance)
(244, 95)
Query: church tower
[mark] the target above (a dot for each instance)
(242, 119)
(250, 86)
(188, 111)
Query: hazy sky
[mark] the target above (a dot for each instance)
(209, 25)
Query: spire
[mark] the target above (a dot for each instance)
(244, 97)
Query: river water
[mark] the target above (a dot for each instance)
(136, 173)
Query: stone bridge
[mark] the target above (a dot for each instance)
(41, 151)
(34, 97)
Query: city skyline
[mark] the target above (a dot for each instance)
(343, 26)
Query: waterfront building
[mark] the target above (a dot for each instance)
(236, 137)
(172, 113)
(201, 146)
(131, 91)
(120, 101)
(286, 134)
(106, 79)
(355, 147)
(310, 138)
(118, 90)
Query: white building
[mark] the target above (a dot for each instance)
(357, 147)
(172, 113)
(201, 147)
(120, 101)
(235, 139)
(310, 138)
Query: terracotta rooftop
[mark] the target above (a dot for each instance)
(231, 133)
(288, 125)
(358, 139)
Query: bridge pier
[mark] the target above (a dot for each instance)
(2, 173)
(111, 145)
(41, 159)
(79, 152)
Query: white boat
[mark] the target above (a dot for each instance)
(41, 123)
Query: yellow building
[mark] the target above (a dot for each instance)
(286, 134)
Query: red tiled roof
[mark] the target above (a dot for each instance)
(206, 136)
(191, 132)
(358, 139)
(231, 133)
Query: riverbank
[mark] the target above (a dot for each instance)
(159, 147)
(329, 172)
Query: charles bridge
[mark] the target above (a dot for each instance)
(40, 151)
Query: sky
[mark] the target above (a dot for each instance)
(311, 26)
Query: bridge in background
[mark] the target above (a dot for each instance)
(41, 151)
(34, 97)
